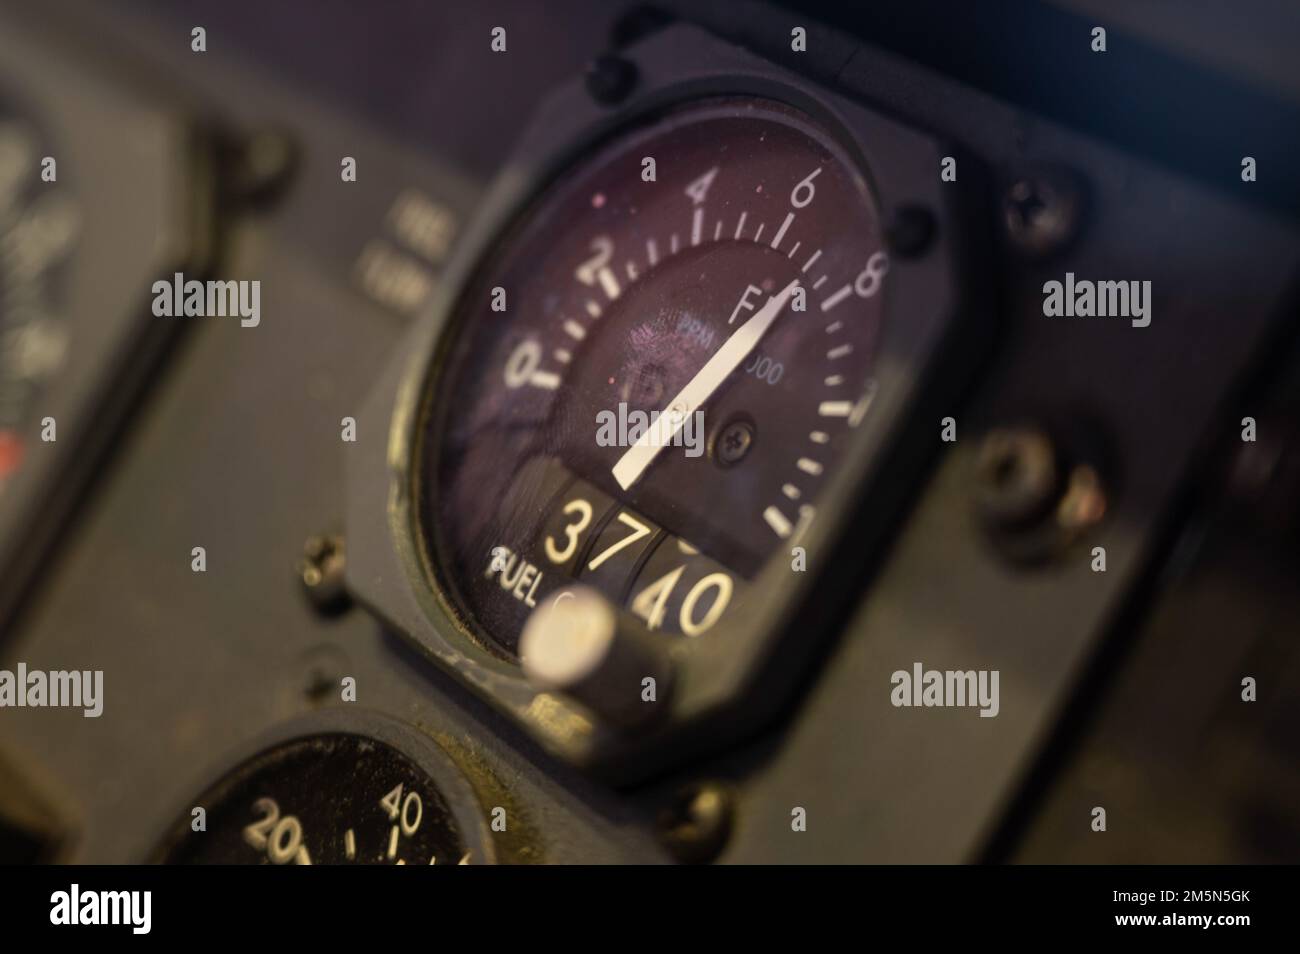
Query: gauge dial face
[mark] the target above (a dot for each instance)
(329, 799)
(38, 227)
(657, 371)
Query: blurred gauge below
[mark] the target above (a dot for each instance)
(334, 797)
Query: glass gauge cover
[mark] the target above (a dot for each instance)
(656, 371)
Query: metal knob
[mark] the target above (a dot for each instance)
(579, 644)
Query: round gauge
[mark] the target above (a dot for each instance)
(38, 226)
(333, 798)
(656, 371)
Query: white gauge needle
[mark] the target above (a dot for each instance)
(726, 359)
